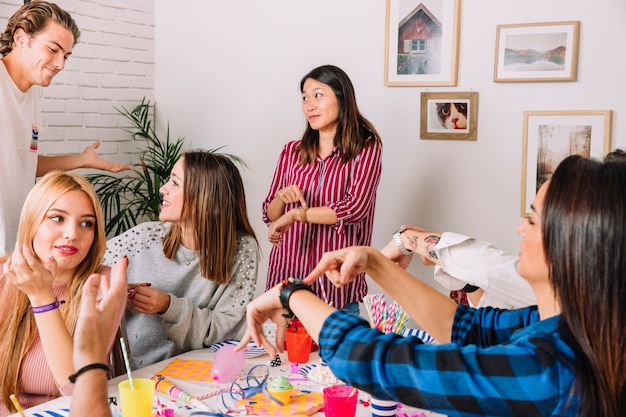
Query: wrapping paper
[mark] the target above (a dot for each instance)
(307, 403)
(188, 370)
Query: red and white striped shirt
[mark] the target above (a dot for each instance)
(347, 188)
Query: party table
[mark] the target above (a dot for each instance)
(191, 367)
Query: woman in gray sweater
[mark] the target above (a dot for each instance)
(191, 274)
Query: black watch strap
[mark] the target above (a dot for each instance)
(469, 288)
(289, 287)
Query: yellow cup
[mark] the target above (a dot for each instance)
(137, 402)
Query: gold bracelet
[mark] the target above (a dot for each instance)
(303, 214)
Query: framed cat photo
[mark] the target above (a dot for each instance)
(536, 52)
(452, 115)
(553, 135)
(422, 42)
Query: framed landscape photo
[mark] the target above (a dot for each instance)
(536, 52)
(551, 136)
(452, 115)
(422, 42)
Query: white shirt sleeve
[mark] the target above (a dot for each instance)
(465, 260)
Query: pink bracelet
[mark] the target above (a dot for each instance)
(47, 307)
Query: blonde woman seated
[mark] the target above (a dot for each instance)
(61, 242)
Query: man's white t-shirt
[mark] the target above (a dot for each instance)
(19, 130)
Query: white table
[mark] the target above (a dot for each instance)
(201, 389)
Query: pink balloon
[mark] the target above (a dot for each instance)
(227, 364)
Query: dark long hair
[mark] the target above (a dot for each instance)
(215, 203)
(584, 235)
(353, 129)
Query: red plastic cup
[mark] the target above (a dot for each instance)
(296, 323)
(298, 344)
(340, 401)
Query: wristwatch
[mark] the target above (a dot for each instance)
(398, 241)
(289, 286)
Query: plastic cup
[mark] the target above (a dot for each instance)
(340, 401)
(137, 402)
(383, 408)
(298, 345)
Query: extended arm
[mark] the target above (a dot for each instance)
(460, 260)
(431, 309)
(97, 323)
(465, 260)
(90, 397)
(89, 158)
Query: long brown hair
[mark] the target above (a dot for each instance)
(353, 130)
(584, 235)
(17, 322)
(33, 17)
(215, 203)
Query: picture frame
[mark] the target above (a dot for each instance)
(422, 42)
(449, 115)
(537, 52)
(551, 136)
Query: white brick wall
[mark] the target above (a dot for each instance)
(112, 66)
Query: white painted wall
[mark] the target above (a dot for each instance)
(227, 73)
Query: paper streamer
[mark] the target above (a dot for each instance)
(168, 387)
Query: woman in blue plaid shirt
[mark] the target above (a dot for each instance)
(566, 356)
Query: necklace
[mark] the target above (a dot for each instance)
(189, 260)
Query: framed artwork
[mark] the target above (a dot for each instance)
(422, 42)
(535, 52)
(450, 115)
(551, 136)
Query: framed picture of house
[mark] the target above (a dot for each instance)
(535, 52)
(450, 115)
(422, 42)
(551, 136)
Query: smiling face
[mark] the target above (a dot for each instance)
(532, 260)
(67, 231)
(42, 56)
(320, 106)
(173, 194)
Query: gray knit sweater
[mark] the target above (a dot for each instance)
(201, 312)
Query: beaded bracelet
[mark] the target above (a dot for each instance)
(47, 307)
(289, 286)
(89, 367)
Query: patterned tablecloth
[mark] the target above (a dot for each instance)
(191, 373)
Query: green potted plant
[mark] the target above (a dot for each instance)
(130, 199)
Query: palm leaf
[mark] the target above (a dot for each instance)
(132, 198)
